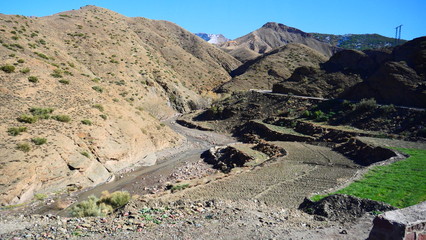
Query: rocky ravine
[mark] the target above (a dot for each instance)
(100, 82)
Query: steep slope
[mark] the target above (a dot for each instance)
(356, 41)
(213, 38)
(397, 77)
(93, 84)
(270, 36)
(272, 67)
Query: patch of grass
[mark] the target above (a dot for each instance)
(25, 147)
(27, 118)
(25, 70)
(39, 140)
(42, 113)
(99, 107)
(40, 196)
(57, 73)
(33, 79)
(178, 187)
(101, 207)
(98, 89)
(62, 118)
(64, 81)
(86, 122)
(86, 154)
(400, 184)
(15, 131)
(8, 68)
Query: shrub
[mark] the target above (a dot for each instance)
(366, 105)
(64, 81)
(103, 116)
(116, 199)
(38, 140)
(25, 147)
(21, 61)
(57, 73)
(15, 131)
(98, 89)
(25, 70)
(41, 113)
(307, 114)
(178, 187)
(40, 196)
(41, 55)
(8, 68)
(33, 79)
(62, 118)
(86, 154)
(86, 122)
(27, 118)
(99, 107)
(91, 208)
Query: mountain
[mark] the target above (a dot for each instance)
(270, 36)
(82, 93)
(357, 41)
(395, 76)
(272, 67)
(213, 38)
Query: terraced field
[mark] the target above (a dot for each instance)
(285, 182)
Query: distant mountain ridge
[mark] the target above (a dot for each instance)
(270, 36)
(356, 41)
(213, 38)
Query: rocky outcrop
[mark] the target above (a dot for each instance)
(402, 224)
(379, 74)
(226, 158)
(343, 208)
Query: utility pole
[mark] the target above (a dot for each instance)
(398, 34)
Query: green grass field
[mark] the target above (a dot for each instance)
(400, 184)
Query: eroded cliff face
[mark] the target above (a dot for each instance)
(101, 83)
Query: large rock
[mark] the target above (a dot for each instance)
(407, 223)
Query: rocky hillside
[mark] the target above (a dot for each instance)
(272, 67)
(270, 36)
(391, 77)
(213, 38)
(357, 41)
(82, 92)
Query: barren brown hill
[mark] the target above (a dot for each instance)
(270, 36)
(82, 92)
(272, 67)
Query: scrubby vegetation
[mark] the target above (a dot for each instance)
(41, 113)
(98, 89)
(25, 118)
(8, 68)
(62, 118)
(86, 122)
(33, 79)
(99, 107)
(15, 131)
(101, 207)
(39, 140)
(25, 147)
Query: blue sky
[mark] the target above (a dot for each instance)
(235, 18)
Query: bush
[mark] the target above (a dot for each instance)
(366, 105)
(38, 140)
(8, 68)
(21, 61)
(41, 111)
(99, 107)
(98, 89)
(57, 73)
(178, 187)
(33, 79)
(103, 116)
(62, 118)
(101, 207)
(86, 122)
(91, 208)
(25, 147)
(15, 131)
(27, 118)
(86, 154)
(25, 70)
(116, 199)
(64, 81)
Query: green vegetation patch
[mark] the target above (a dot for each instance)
(62, 118)
(39, 140)
(42, 113)
(15, 131)
(25, 147)
(400, 184)
(8, 68)
(101, 207)
(24, 118)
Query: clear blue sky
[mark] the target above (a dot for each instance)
(235, 18)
